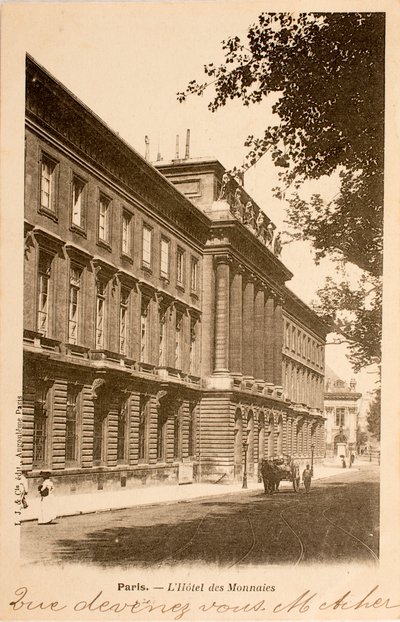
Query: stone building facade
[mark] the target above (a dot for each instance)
(341, 404)
(160, 341)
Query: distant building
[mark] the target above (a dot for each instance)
(161, 343)
(341, 405)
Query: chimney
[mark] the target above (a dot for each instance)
(147, 149)
(177, 147)
(187, 149)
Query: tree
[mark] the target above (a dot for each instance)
(326, 73)
(374, 416)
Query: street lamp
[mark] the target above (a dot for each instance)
(312, 458)
(244, 485)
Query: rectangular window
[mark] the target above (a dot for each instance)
(298, 342)
(178, 341)
(74, 304)
(100, 313)
(193, 346)
(287, 335)
(78, 207)
(162, 341)
(48, 184)
(162, 421)
(194, 273)
(147, 236)
(340, 417)
(144, 330)
(124, 320)
(99, 432)
(164, 258)
(293, 339)
(180, 267)
(192, 430)
(143, 408)
(44, 274)
(40, 427)
(177, 433)
(126, 233)
(104, 219)
(71, 424)
(122, 432)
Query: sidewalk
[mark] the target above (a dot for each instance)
(100, 501)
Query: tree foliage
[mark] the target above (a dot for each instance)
(374, 416)
(326, 72)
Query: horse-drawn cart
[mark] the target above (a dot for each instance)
(274, 470)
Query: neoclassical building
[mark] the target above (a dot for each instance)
(161, 343)
(341, 403)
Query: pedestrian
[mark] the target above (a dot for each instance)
(352, 457)
(46, 508)
(23, 486)
(343, 462)
(307, 478)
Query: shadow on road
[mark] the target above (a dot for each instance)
(221, 530)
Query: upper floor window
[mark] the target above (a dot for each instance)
(194, 274)
(180, 266)
(340, 417)
(104, 219)
(123, 320)
(101, 289)
(145, 330)
(164, 258)
(293, 339)
(287, 335)
(298, 342)
(147, 238)
(44, 275)
(126, 233)
(178, 340)
(162, 342)
(48, 184)
(193, 346)
(74, 303)
(78, 204)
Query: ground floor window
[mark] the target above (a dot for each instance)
(71, 424)
(122, 428)
(162, 432)
(40, 425)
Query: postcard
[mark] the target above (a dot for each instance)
(200, 311)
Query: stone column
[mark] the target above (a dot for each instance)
(259, 335)
(236, 322)
(248, 328)
(278, 341)
(269, 338)
(221, 314)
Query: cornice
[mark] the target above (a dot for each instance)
(51, 106)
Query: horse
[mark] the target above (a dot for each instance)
(271, 477)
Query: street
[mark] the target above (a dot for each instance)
(337, 522)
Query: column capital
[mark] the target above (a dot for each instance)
(223, 258)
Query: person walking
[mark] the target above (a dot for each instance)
(307, 478)
(46, 509)
(23, 486)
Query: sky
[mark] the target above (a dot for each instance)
(127, 61)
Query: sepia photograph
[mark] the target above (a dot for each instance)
(198, 373)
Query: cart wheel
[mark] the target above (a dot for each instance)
(296, 484)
